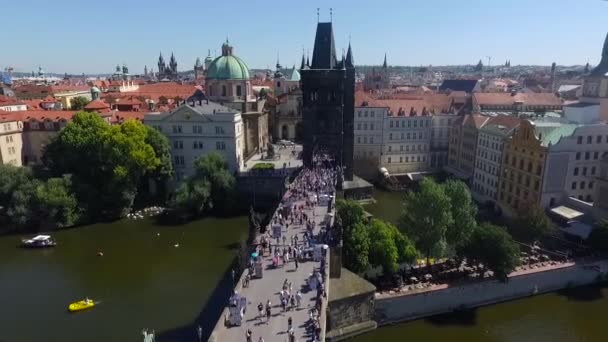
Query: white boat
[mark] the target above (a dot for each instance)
(148, 335)
(39, 241)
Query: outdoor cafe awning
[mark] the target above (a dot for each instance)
(566, 212)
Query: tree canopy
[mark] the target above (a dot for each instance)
(211, 188)
(463, 211)
(493, 247)
(426, 217)
(78, 103)
(105, 162)
(389, 247)
(532, 224)
(355, 236)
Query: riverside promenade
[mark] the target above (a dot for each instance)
(304, 195)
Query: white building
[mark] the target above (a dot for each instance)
(197, 130)
(440, 139)
(368, 126)
(407, 140)
(490, 146)
(11, 104)
(573, 164)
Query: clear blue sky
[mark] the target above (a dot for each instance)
(93, 36)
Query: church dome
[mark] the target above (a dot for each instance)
(95, 90)
(228, 66)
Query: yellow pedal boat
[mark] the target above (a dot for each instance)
(81, 305)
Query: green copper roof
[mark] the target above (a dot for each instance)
(551, 133)
(228, 68)
(295, 75)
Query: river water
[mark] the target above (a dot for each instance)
(577, 315)
(142, 281)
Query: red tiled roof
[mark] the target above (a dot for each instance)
(96, 105)
(505, 120)
(154, 91)
(406, 104)
(9, 116)
(508, 99)
(9, 101)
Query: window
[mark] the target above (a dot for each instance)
(578, 156)
(573, 185)
(538, 170)
(593, 170)
(219, 130)
(220, 145)
(590, 185)
(359, 113)
(598, 139)
(178, 144)
(239, 90)
(371, 126)
(196, 129)
(224, 90)
(358, 140)
(177, 128)
(391, 123)
(576, 171)
(579, 140)
(596, 155)
(582, 184)
(359, 126)
(390, 148)
(587, 155)
(589, 139)
(584, 171)
(389, 160)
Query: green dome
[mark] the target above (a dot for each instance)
(228, 67)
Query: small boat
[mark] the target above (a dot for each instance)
(81, 305)
(39, 241)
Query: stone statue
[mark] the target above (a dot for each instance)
(270, 152)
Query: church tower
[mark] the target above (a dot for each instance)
(161, 64)
(328, 94)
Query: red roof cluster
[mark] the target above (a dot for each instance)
(38, 115)
(406, 104)
(508, 99)
(9, 101)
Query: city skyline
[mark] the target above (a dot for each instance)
(434, 29)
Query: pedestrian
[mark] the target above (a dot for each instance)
(289, 323)
(248, 335)
(299, 298)
(268, 312)
(260, 311)
(296, 260)
(260, 339)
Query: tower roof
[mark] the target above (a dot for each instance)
(385, 65)
(324, 53)
(350, 61)
(228, 66)
(602, 68)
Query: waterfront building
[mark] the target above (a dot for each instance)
(573, 163)
(328, 93)
(523, 166)
(463, 145)
(369, 137)
(488, 162)
(11, 144)
(377, 79)
(198, 128)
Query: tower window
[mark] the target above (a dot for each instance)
(239, 90)
(223, 90)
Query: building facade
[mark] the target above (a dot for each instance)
(196, 130)
(369, 139)
(288, 110)
(328, 94)
(407, 142)
(573, 163)
(377, 79)
(463, 145)
(11, 144)
(488, 162)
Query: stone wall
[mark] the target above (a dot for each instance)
(413, 306)
(350, 311)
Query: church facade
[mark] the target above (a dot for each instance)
(328, 100)
(377, 80)
(167, 72)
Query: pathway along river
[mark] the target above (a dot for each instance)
(569, 316)
(142, 280)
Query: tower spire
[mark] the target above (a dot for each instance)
(303, 64)
(385, 65)
(350, 62)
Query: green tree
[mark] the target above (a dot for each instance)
(383, 251)
(532, 224)
(106, 162)
(211, 188)
(164, 171)
(463, 212)
(426, 218)
(493, 247)
(356, 247)
(78, 103)
(55, 205)
(355, 235)
(598, 239)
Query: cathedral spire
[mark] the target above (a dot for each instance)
(385, 65)
(303, 65)
(350, 62)
(602, 68)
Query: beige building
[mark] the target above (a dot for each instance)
(11, 144)
(516, 102)
(463, 145)
(195, 130)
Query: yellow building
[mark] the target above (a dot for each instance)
(525, 153)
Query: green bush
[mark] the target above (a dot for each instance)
(263, 166)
